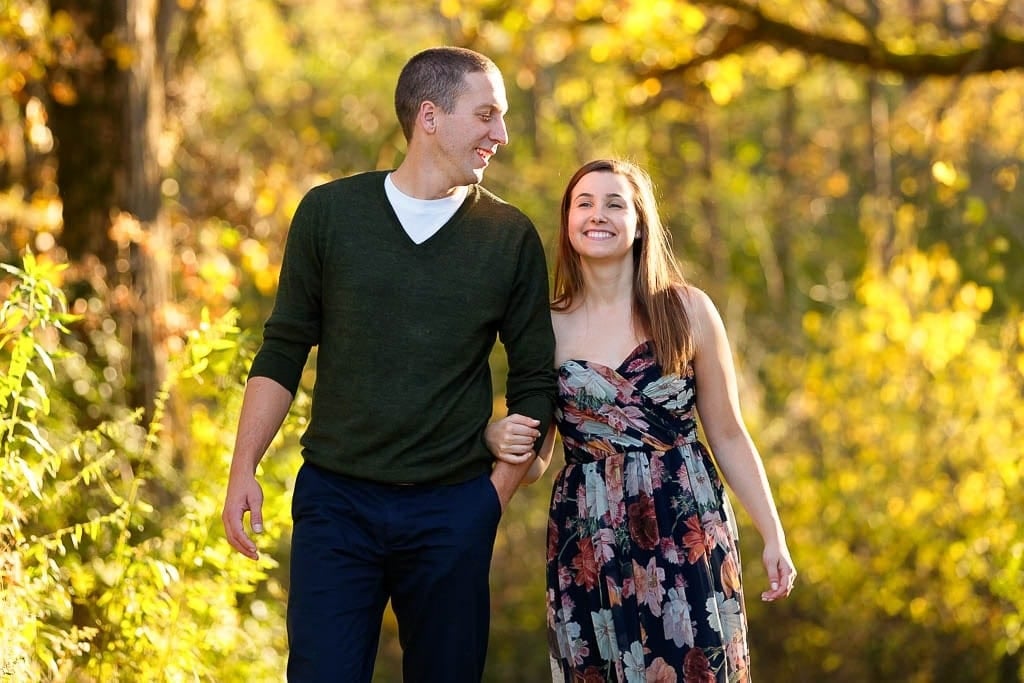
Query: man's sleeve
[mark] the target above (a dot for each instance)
(293, 327)
(528, 338)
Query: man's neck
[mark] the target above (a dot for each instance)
(421, 183)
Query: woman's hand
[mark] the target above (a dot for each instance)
(781, 572)
(511, 438)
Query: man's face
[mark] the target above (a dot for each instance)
(469, 136)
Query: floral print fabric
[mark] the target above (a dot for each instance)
(643, 572)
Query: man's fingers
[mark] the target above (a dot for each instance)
(516, 457)
(240, 541)
(518, 437)
(256, 519)
(516, 418)
(234, 526)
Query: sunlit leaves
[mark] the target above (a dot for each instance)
(724, 78)
(907, 421)
(780, 171)
(450, 8)
(777, 69)
(157, 590)
(658, 19)
(945, 173)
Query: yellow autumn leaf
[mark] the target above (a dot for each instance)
(944, 172)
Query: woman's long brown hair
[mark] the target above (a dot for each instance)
(658, 311)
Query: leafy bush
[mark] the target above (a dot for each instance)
(900, 485)
(113, 565)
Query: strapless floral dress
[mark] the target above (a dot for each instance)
(643, 569)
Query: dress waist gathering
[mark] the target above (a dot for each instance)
(575, 454)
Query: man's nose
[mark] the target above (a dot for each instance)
(499, 132)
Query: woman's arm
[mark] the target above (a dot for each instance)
(718, 406)
(541, 463)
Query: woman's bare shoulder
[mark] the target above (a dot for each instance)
(694, 299)
(701, 312)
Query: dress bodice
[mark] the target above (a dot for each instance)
(633, 407)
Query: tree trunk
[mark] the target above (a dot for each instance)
(108, 172)
(147, 24)
(89, 135)
(879, 228)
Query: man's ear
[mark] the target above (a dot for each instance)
(427, 116)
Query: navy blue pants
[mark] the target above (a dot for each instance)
(357, 544)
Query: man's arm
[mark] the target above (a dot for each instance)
(264, 407)
(530, 346)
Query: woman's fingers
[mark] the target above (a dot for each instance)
(782, 577)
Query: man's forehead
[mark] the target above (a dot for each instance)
(485, 89)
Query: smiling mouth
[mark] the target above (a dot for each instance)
(599, 234)
(484, 154)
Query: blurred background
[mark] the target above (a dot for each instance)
(841, 176)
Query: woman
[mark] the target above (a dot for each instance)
(643, 571)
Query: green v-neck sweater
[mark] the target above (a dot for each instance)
(404, 331)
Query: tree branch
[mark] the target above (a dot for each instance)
(999, 52)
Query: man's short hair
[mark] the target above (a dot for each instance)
(436, 74)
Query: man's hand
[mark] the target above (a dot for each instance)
(511, 438)
(244, 495)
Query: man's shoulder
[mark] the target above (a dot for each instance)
(485, 195)
(499, 209)
(357, 182)
(330, 203)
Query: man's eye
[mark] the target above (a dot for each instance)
(485, 117)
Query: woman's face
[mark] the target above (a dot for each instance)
(602, 218)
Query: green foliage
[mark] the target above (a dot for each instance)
(884, 393)
(899, 474)
(98, 583)
(32, 312)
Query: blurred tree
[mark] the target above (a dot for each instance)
(107, 114)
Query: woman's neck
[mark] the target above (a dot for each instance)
(607, 285)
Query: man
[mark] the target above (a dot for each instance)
(403, 280)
